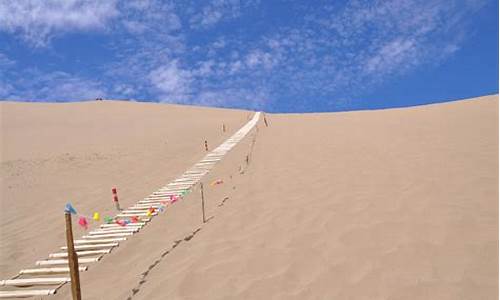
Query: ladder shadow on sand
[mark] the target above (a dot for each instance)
(176, 243)
(145, 274)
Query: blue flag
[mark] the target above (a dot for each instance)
(69, 208)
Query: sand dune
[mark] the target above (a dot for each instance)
(54, 153)
(391, 204)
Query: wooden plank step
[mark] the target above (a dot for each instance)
(193, 180)
(135, 210)
(50, 270)
(154, 200)
(185, 180)
(100, 241)
(169, 189)
(165, 193)
(23, 294)
(146, 206)
(65, 261)
(142, 214)
(80, 253)
(138, 224)
(110, 230)
(141, 219)
(111, 235)
(189, 179)
(199, 170)
(138, 213)
(159, 197)
(34, 281)
(119, 228)
(184, 185)
(92, 247)
(162, 194)
(131, 225)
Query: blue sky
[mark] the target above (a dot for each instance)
(278, 56)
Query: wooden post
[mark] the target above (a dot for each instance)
(72, 260)
(223, 127)
(202, 201)
(265, 120)
(115, 199)
(206, 145)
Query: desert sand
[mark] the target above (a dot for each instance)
(55, 153)
(387, 204)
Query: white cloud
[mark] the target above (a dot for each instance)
(124, 90)
(157, 17)
(394, 54)
(205, 68)
(55, 86)
(173, 82)
(218, 10)
(5, 90)
(260, 58)
(37, 21)
(334, 50)
(5, 62)
(350, 48)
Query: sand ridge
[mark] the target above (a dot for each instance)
(394, 204)
(391, 204)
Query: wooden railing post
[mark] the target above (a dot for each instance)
(72, 260)
(202, 202)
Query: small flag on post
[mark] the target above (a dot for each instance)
(216, 182)
(70, 209)
(82, 221)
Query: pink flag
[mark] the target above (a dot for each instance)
(121, 222)
(83, 222)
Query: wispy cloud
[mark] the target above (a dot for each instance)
(172, 82)
(38, 21)
(224, 53)
(216, 11)
(5, 62)
(54, 86)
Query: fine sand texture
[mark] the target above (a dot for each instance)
(387, 204)
(77, 152)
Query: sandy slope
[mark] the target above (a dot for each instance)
(54, 153)
(393, 204)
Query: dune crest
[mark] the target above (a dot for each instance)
(390, 204)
